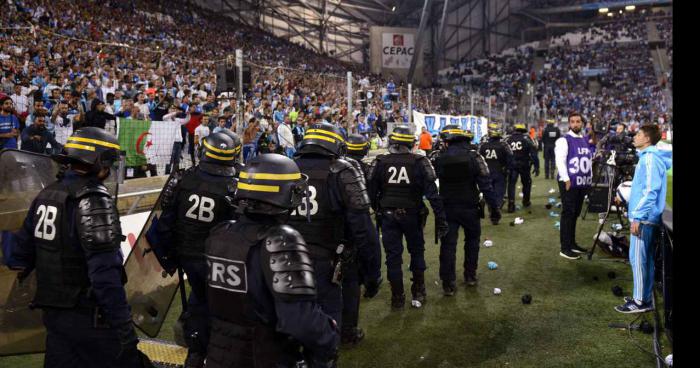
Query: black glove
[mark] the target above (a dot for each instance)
(128, 342)
(442, 228)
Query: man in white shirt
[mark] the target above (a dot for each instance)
(573, 157)
(286, 138)
(200, 132)
(21, 101)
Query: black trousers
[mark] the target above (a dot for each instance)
(571, 205)
(524, 173)
(467, 219)
(550, 170)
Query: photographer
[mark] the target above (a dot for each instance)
(646, 204)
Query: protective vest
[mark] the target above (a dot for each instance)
(61, 266)
(550, 135)
(494, 153)
(520, 145)
(201, 205)
(326, 226)
(457, 171)
(238, 338)
(398, 181)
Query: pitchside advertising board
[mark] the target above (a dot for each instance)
(435, 122)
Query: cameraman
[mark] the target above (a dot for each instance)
(646, 204)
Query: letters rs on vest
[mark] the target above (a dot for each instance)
(227, 274)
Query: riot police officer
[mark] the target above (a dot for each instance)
(549, 136)
(237, 146)
(460, 170)
(334, 220)
(398, 181)
(365, 268)
(499, 159)
(261, 280)
(71, 237)
(194, 201)
(524, 155)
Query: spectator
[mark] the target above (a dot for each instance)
(97, 117)
(9, 124)
(249, 139)
(285, 138)
(36, 138)
(201, 132)
(62, 122)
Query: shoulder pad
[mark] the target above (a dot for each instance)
(168, 195)
(340, 164)
(352, 183)
(98, 223)
(428, 167)
(92, 188)
(287, 266)
(481, 163)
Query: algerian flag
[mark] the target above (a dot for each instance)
(147, 141)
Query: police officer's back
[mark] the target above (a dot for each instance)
(524, 155)
(194, 201)
(462, 173)
(398, 181)
(71, 237)
(549, 137)
(261, 282)
(499, 159)
(338, 201)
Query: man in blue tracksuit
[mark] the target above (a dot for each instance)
(646, 204)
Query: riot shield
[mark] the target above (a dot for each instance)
(150, 290)
(22, 176)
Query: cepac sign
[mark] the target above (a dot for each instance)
(397, 50)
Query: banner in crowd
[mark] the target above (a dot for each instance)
(147, 142)
(434, 123)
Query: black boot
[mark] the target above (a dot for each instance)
(449, 288)
(418, 288)
(398, 298)
(352, 336)
(194, 360)
(511, 206)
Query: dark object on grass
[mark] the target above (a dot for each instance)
(595, 278)
(527, 299)
(548, 206)
(529, 212)
(512, 223)
(617, 290)
(646, 327)
(611, 275)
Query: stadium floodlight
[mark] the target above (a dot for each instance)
(393, 8)
(603, 10)
(610, 14)
(630, 7)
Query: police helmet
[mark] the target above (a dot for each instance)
(91, 146)
(551, 121)
(520, 127)
(272, 179)
(237, 143)
(218, 155)
(358, 145)
(402, 135)
(323, 138)
(453, 132)
(495, 130)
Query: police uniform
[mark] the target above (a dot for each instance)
(71, 237)
(499, 159)
(364, 268)
(549, 136)
(524, 153)
(261, 281)
(460, 170)
(397, 183)
(193, 202)
(335, 213)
